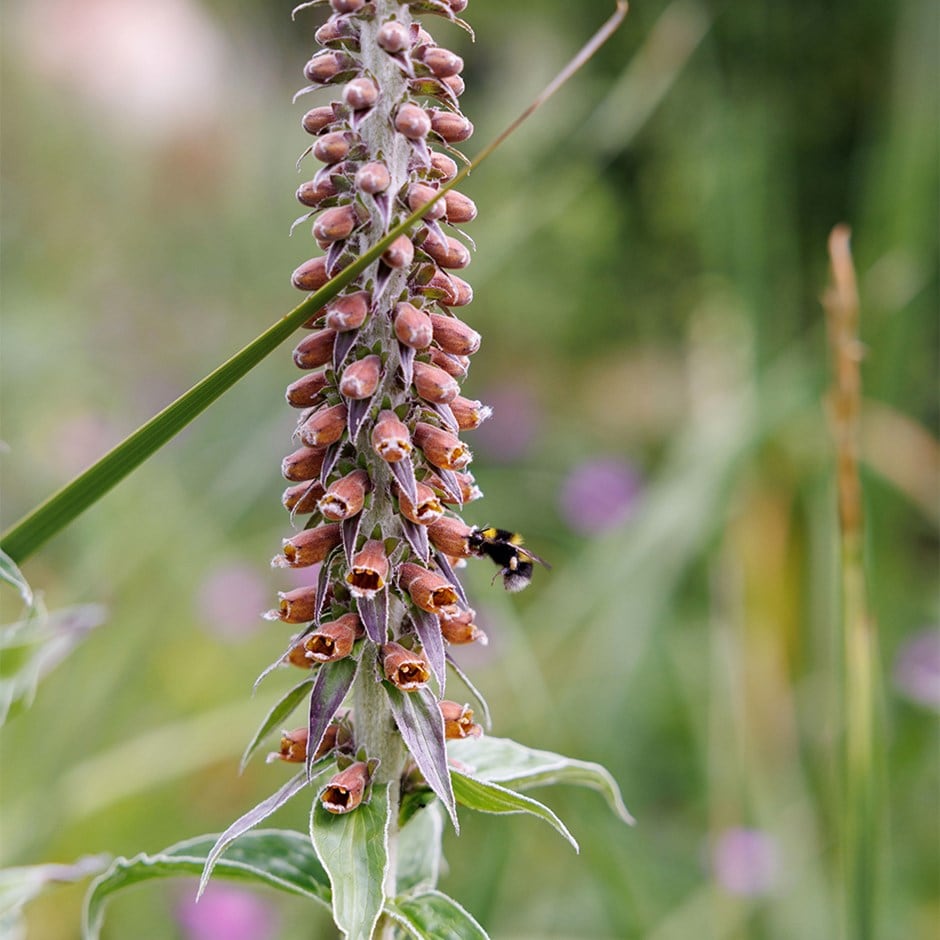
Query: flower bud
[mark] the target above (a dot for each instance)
(449, 535)
(456, 84)
(325, 66)
(313, 192)
(454, 336)
(448, 252)
(456, 366)
(434, 384)
(297, 606)
(348, 312)
(324, 427)
(427, 508)
(459, 208)
(344, 498)
(333, 640)
(429, 590)
(318, 118)
(449, 125)
(457, 6)
(345, 791)
(335, 224)
(400, 253)
(311, 275)
(408, 671)
(308, 547)
(393, 37)
(441, 448)
(442, 62)
(369, 571)
(390, 437)
(335, 30)
(361, 378)
(307, 391)
(464, 291)
(347, 6)
(294, 746)
(445, 166)
(332, 148)
(468, 414)
(459, 630)
(360, 94)
(420, 194)
(315, 350)
(412, 121)
(303, 464)
(412, 326)
(458, 721)
(373, 178)
(302, 497)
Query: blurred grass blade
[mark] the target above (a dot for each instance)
(859, 635)
(279, 859)
(12, 575)
(23, 538)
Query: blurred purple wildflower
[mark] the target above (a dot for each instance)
(510, 432)
(599, 494)
(230, 600)
(226, 913)
(917, 668)
(745, 862)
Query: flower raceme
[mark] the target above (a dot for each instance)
(380, 474)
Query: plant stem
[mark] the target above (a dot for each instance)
(859, 640)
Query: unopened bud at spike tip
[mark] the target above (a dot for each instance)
(361, 378)
(391, 439)
(373, 178)
(348, 312)
(413, 122)
(393, 37)
(360, 94)
(413, 327)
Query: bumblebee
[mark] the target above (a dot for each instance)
(505, 549)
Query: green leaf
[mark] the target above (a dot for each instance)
(492, 798)
(504, 761)
(33, 647)
(19, 886)
(277, 858)
(434, 916)
(10, 574)
(353, 848)
(276, 717)
(419, 850)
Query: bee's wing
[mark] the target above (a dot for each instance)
(531, 556)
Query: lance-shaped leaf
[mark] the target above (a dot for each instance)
(492, 798)
(513, 764)
(417, 536)
(12, 575)
(421, 725)
(19, 886)
(356, 412)
(432, 915)
(419, 850)
(404, 472)
(344, 342)
(446, 415)
(353, 848)
(474, 691)
(329, 461)
(276, 718)
(254, 816)
(333, 682)
(428, 628)
(406, 358)
(350, 531)
(373, 611)
(279, 859)
(451, 485)
(324, 576)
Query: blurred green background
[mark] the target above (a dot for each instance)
(651, 253)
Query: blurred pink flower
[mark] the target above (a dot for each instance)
(917, 668)
(81, 440)
(599, 494)
(231, 600)
(153, 68)
(745, 862)
(226, 913)
(511, 430)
